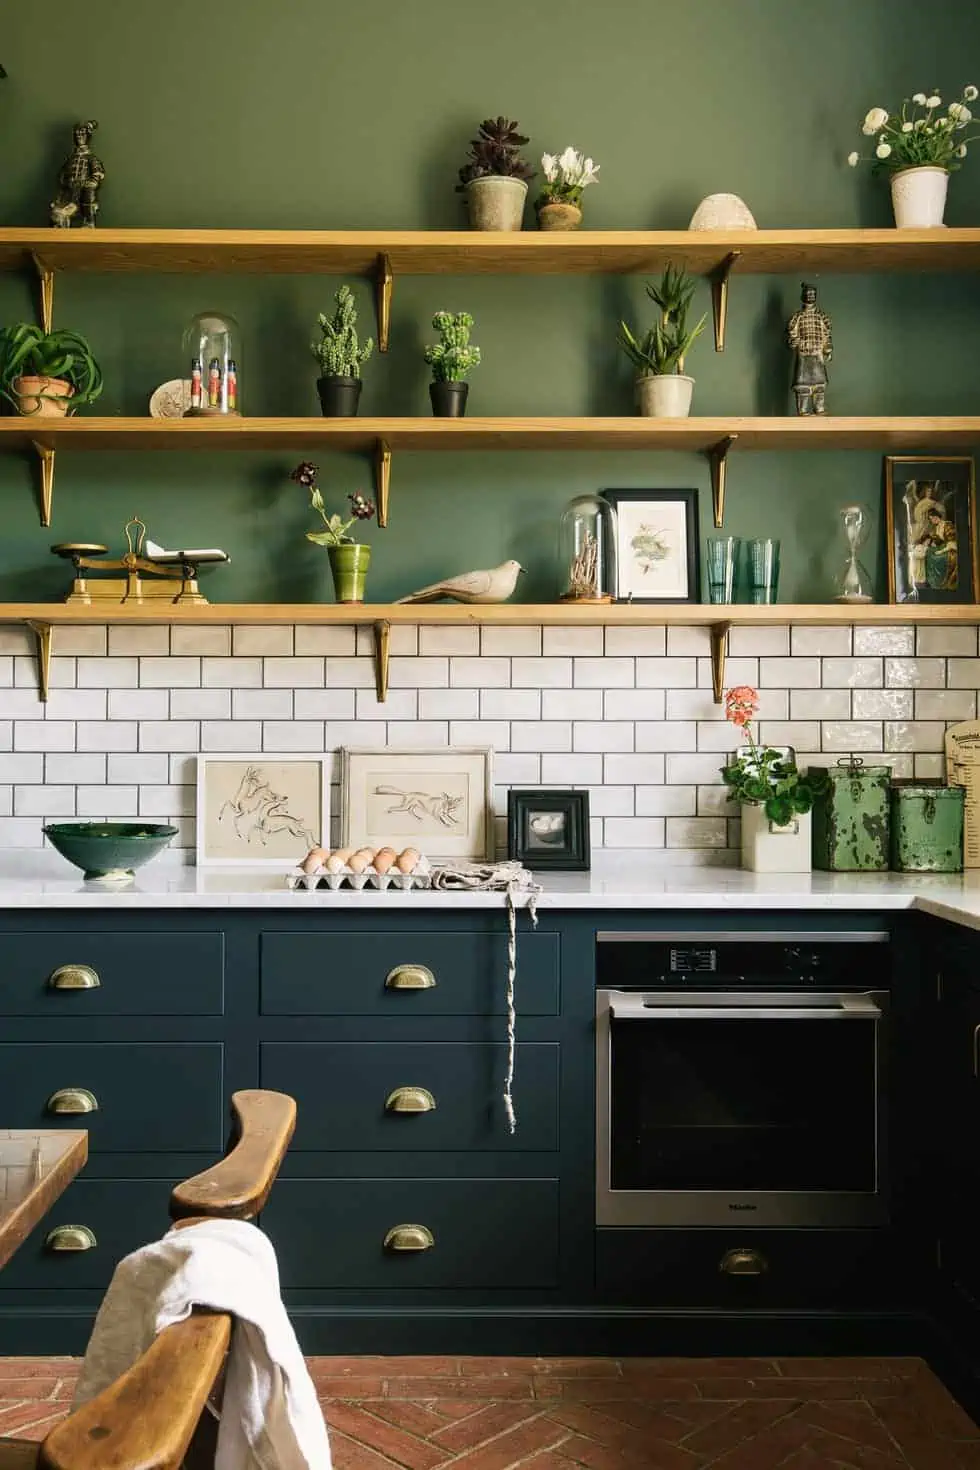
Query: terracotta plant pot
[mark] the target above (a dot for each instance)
(919, 197)
(496, 203)
(448, 399)
(339, 396)
(46, 398)
(665, 396)
(558, 216)
(349, 566)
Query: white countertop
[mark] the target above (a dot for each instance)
(34, 880)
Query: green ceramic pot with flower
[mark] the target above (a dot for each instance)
(349, 559)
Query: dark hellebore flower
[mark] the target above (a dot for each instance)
(305, 474)
(361, 509)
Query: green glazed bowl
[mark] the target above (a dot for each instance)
(110, 850)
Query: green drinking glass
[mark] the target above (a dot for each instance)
(722, 555)
(763, 571)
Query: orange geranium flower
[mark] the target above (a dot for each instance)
(741, 705)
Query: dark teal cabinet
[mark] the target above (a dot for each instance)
(169, 974)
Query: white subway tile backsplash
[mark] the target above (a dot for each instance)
(963, 673)
(945, 704)
(737, 671)
(510, 642)
(70, 770)
(62, 674)
(107, 673)
(610, 801)
(296, 673)
(6, 671)
(922, 673)
(541, 673)
(883, 704)
(718, 735)
(574, 642)
(662, 801)
(166, 802)
(90, 640)
(282, 736)
(603, 735)
(323, 704)
(697, 832)
(200, 704)
(784, 673)
(21, 832)
(574, 770)
(715, 801)
(231, 673)
(632, 704)
(44, 735)
(197, 641)
(337, 642)
(104, 735)
(512, 704)
(958, 642)
(43, 801)
(666, 673)
(6, 734)
(404, 641)
(479, 673)
(369, 735)
(138, 641)
(636, 642)
(173, 736)
(800, 734)
(14, 638)
(401, 704)
(768, 642)
(848, 735)
(441, 640)
(687, 642)
(448, 704)
(633, 832)
(852, 673)
(666, 735)
(819, 704)
(77, 704)
(543, 735)
(926, 768)
(633, 770)
(134, 770)
(264, 704)
(523, 769)
(694, 770)
(914, 735)
(262, 642)
(823, 642)
(496, 734)
(893, 641)
(604, 673)
(138, 704)
(218, 736)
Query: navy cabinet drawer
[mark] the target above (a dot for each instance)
(152, 1097)
(342, 1090)
(122, 1214)
(140, 974)
(486, 1232)
(343, 973)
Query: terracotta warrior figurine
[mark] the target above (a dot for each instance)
(78, 182)
(808, 334)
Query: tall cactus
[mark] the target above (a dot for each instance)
(453, 357)
(338, 352)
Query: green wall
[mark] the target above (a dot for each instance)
(313, 114)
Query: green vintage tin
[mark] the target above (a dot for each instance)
(851, 816)
(927, 827)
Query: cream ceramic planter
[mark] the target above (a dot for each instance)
(666, 396)
(919, 197)
(768, 848)
(45, 398)
(496, 203)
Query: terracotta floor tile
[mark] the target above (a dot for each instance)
(421, 1419)
(641, 1368)
(850, 1367)
(488, 1421)
(358, 1423)
(468, 1388)
(742, 1422)
(375, 1366)
(597, 1390)
(349, 1388)
(513, 1446)
(347, 1454)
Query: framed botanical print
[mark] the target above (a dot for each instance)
(437, 801)
(657, 557)
(931, 524)
(261, 811)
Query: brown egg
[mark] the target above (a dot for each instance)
(358, 863)
(365, 852)
(314, 860)
(383, 860)
(407, 861)
(335, 863)
(344, 853)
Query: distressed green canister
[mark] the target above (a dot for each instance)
(851, 816)
(927, 827)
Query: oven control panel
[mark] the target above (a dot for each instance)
(858, 960)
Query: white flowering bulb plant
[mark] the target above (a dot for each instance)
(566, 175)
(921, 134)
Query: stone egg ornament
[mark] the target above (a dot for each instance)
(722, 212)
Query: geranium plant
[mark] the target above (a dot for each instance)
(759, 775)
(920, 134)
(566, 175)
(336, 530)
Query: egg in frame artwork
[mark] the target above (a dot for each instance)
(549, 830)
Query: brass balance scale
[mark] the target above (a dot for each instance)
(149, 571)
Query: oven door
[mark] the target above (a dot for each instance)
(716, 1106)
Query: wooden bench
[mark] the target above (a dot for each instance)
(147, 1419)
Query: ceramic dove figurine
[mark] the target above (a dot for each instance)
(493, 585)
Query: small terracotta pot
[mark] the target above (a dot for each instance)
(45, 398)
(557, 216)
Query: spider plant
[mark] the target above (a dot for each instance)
(27, 350)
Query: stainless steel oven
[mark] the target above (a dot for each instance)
(741, 1076)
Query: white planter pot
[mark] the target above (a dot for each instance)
(496, 203)
(665, 397)
(919, 197)
(767, 848)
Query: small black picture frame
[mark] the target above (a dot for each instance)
(658, 557)
(548, 831)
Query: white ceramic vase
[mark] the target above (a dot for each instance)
(768, 848)
(664, 395)
(496, 203)
(919, 197)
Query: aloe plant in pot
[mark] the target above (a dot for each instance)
(341, 357)
(663, 389)
(47, 374)
(451, 360)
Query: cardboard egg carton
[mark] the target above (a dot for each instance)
(368, 877)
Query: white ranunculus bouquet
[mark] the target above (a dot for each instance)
(566, 176)
(920, 134)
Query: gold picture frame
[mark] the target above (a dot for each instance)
(930, 519)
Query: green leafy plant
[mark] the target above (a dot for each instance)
(663, 348)
(452, 358)
(919, 134)
(760, 775)
(336, 530)
(338, 351)
(26, 350)
(496, 153)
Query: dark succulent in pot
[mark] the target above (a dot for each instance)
(47, 374)
(340, 356)
(451, 360)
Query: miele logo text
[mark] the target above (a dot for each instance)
(743, 1207)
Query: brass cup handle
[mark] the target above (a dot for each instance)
(72, 1100)
(410, 1100)
(743, 1261)
(410, 977)
(409, 1238)
(70, 1238)
(74, 977)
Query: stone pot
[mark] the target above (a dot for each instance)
(558, 216)
(449, 399)
(665, 395)
(770, 848)
(919, 197)
(45, 398)
(349, 566)
(496, 203)
(339, 396)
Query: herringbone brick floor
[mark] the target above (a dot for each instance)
(563, 1413)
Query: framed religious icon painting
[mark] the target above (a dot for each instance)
(657, 557)
(931, 526)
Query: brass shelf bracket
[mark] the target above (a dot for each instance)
(43, 633)
(382, 479)
(382, 649)
(719, 652)
(719, 297)
(45, 459)
(385, 285)
(45, 276)
(718, 459)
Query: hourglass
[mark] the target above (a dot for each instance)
(852, 581)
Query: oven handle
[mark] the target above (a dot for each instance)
(842, 1008)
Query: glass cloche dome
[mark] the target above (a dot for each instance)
(587, 550)
(213, 357)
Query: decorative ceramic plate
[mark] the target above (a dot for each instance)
(171, 400)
